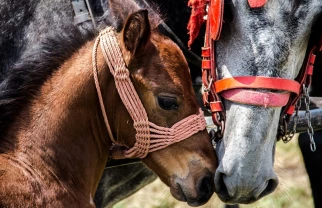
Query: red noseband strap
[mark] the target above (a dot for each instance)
(257, 82)
(251, 97)
(233, 89)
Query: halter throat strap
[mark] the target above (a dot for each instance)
(149, 136)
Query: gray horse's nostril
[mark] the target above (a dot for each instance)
(225, 196)
(271, 186)
(221, 188)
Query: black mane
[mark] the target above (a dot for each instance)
(22, 82)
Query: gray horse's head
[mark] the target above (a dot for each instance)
(268, 41)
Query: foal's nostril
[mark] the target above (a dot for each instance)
(205, 188)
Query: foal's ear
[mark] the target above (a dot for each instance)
(136, 31)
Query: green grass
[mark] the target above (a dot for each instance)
(293, 190)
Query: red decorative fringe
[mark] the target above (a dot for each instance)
(198, 11)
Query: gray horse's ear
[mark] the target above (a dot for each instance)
(136, 31)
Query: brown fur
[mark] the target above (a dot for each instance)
(60, 143)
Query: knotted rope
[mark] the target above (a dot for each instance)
(149, 136)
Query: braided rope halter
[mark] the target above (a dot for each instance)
(149, 136)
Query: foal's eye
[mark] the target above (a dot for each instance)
(167, 103)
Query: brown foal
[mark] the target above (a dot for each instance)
(58, 146)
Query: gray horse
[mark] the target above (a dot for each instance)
(268, 41)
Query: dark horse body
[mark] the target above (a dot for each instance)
(54, 143)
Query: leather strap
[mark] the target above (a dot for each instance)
(213, 30)
(304, 77)
(257, 82)
(215, 16)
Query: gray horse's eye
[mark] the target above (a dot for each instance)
(167, 103)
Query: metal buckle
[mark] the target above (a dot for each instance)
(81, 12)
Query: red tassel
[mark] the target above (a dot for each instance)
(198, 11)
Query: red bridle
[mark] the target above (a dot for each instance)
(240, 89)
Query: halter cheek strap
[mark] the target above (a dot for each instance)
(149, 136)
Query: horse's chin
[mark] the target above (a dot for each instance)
(243, 200)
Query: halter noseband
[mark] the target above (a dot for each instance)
(149, 136)
(238, 89)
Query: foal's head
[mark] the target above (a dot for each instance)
(160, 75)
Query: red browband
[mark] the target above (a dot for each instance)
(233, 89)
(251, 97)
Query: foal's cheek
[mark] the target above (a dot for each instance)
(158, 167)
